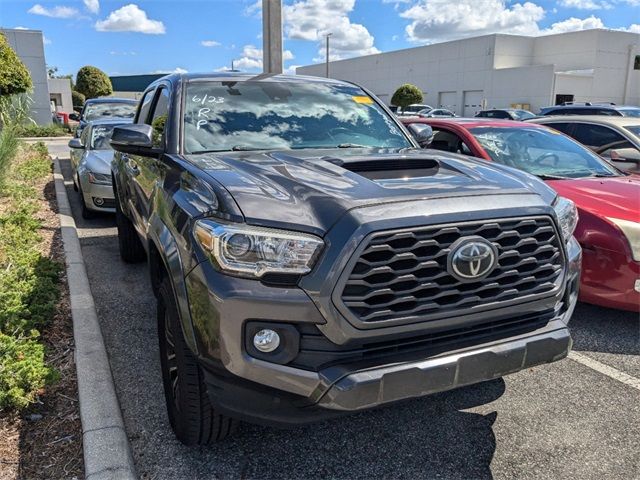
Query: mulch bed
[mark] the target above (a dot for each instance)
(45, 441)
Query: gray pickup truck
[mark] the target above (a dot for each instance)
(310, 259)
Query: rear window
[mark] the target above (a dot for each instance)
(97, 111)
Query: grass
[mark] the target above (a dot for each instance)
(29, 280)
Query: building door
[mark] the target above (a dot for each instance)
(561, 98)
(472, 102)
(448, 100)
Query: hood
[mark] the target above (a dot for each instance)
(99, 161)
(311, 189)
(617, 197)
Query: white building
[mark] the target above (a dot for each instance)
(60, 94)
(500, 70)
(29, 46)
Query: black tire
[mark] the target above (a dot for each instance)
(193, 419)
(131, 249)
(86, 213)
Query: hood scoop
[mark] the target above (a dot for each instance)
(389, 168)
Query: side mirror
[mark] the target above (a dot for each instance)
(624, 155)
(422, 133)
(136, 139)
(75, 143)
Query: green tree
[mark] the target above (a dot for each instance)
(77, 99)
(93, 82)
(406, 95)
(14, 76)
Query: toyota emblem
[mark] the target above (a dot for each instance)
(472, 258)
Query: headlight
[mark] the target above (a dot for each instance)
(254, 251)
(567, 214)
(99, 178)
(631, 230)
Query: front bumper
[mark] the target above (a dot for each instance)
(247, 387)
(93, 191)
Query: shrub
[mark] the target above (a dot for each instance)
(23, 373)
(51, 130)
(93, 82)
(29, 281)
(77, 99)
(8, 149)
(14, 76)
(406, 95)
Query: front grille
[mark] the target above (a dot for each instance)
(402, 275)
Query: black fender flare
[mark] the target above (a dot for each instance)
(165, 244)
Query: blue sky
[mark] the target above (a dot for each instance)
(144, 36)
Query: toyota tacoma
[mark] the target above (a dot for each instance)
(310, 259)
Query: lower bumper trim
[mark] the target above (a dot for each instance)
(373, 387)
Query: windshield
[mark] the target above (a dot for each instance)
(100, 135)
(222, 116)
(541, 152)
(522, 114)
(630, 112)
(104, 110)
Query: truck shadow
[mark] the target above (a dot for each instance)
(426, 438)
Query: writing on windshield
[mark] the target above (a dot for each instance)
(256, 115)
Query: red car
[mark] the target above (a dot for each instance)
(607, 199)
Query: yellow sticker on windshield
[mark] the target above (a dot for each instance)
(363, 99)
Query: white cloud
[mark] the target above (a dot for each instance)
(291, 69)
(54, 12)
(20, 28)
(92, 5)
(635, 28)
(311, 20)
(438, 20)
(586, 4)
(252, 59)
(130, 18)
(175, 70)
(573, 25)
(45, 40)
(210, 43)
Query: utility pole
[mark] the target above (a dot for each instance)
(272, 36)
(326, 57)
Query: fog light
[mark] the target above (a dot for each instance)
(266, 340)
(98, 201)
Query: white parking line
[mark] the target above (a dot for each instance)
(605, 369)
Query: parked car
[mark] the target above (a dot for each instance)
(91, 156)
(615, 138)
(309, 260)
(105, 108)
(588, 108)
(608, 199)
(436, 113)
(506, 114)
(412, 110)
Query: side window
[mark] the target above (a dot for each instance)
(159, 117)
(596, 135)
(561, 127)
(449, 142)
(145, 105)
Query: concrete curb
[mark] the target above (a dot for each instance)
(107, 453)
(46, 139)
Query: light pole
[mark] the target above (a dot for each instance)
(272, 36)
(326, 57)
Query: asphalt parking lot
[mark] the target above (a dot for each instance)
(554, 421)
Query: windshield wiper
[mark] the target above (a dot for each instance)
(544, 176)
(351, 145)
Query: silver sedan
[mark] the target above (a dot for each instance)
(91, 157)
